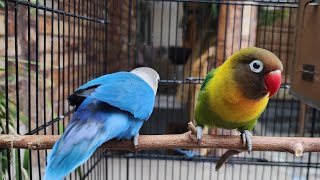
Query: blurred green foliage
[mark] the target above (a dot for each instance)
(2, 4)
(12, 126)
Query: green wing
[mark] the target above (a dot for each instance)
(206, 80)
(201, 112)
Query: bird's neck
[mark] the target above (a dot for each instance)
(236, 106)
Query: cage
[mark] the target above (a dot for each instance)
(49, 48)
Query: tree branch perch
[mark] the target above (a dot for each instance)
(294, 145)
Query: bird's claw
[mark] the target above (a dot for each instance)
(199, 133)
(246, 139)
(135, 141)
(196, 131)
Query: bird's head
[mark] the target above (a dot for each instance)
(257, 72)
(149, 75)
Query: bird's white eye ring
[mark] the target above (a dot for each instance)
(256, 66)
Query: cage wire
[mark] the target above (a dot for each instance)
(49, 48)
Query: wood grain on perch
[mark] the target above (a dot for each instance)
(294, 145)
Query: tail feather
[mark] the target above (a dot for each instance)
(72, 151)
(90, 126)
(225, 157)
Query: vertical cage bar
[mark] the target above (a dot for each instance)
(51, 70)
(87, 44)
(63, 65)
(241, 17)
(83, 60)
(59, 70)
(68, 53)
(73, 46)
(17, 84)
(7, 84)
(44, 71)
(29, 86)
(37, 83)
(106, 39)
(101, 43)
(129, 33)
(78, 49)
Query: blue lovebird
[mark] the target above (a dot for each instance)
(113, 106)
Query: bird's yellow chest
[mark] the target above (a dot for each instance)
(227, 100)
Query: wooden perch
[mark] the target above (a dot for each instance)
(295, 145)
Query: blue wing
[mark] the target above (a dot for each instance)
(123, 90)
(93, 123)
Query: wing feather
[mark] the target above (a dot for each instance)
(123, 90)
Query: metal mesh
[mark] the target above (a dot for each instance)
(49, 48)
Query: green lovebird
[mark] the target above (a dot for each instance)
(234, 95)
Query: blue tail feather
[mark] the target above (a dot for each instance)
(93, 124)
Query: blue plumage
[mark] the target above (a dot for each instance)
(124, 90)
(113, 106)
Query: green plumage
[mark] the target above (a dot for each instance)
(206, 80)
(204, 116)
(234, 95)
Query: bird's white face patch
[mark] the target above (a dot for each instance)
(149, 75)
(256, 66)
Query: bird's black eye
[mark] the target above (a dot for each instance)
(256, 66)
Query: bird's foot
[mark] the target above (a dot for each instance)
(196, 131)
(135, 141)
(199, 133)
(246, 139)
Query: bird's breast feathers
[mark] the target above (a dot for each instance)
(227, 100)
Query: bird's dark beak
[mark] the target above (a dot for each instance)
(272, 81)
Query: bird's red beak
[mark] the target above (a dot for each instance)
(272, 81)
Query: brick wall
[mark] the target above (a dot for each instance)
(78, 49)
(121, 34)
